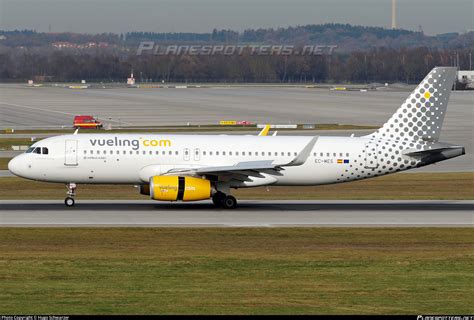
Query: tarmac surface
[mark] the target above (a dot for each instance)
(6, 173)
(250, 213)
(54, 107)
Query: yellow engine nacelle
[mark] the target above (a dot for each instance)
(173, 188)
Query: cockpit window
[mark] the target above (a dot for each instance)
(30, 150)
(37, 150)
(44, 150)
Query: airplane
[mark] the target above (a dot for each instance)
(202, 167)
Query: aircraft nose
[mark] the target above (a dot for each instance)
(15, 166)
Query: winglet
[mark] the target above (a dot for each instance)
(75, 132)
(304, 154)
(265, 130)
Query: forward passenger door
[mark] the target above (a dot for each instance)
(70, 153)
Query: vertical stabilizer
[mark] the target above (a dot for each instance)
(421, 115)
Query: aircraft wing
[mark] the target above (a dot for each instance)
(243, 170)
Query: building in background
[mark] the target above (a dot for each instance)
(465, 80)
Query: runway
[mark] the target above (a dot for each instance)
(250, 213)
(6, 173)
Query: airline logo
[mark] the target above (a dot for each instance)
(133, 143)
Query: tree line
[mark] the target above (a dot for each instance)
(408, 65)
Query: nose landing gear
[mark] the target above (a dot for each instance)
(71, 193)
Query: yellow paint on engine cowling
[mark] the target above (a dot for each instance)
(167, 188)
(196, 189)
(164, 188)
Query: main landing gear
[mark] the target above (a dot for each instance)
(71, 193)
(220, 199)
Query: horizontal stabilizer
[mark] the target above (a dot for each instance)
(422, 153)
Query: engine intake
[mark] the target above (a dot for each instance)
(174, 188)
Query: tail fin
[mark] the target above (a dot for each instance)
(421, 115)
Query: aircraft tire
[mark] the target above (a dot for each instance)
(229, 202)
(69, 202)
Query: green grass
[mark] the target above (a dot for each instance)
(236, 271)
(458, 185)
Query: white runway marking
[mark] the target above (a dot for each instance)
(35, 108)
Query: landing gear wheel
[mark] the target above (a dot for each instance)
(217, 198)
(229, 202)
(69, 202)
(71, 193)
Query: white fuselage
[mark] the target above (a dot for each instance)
(121, 158)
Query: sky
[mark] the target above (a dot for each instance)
(119, 16)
